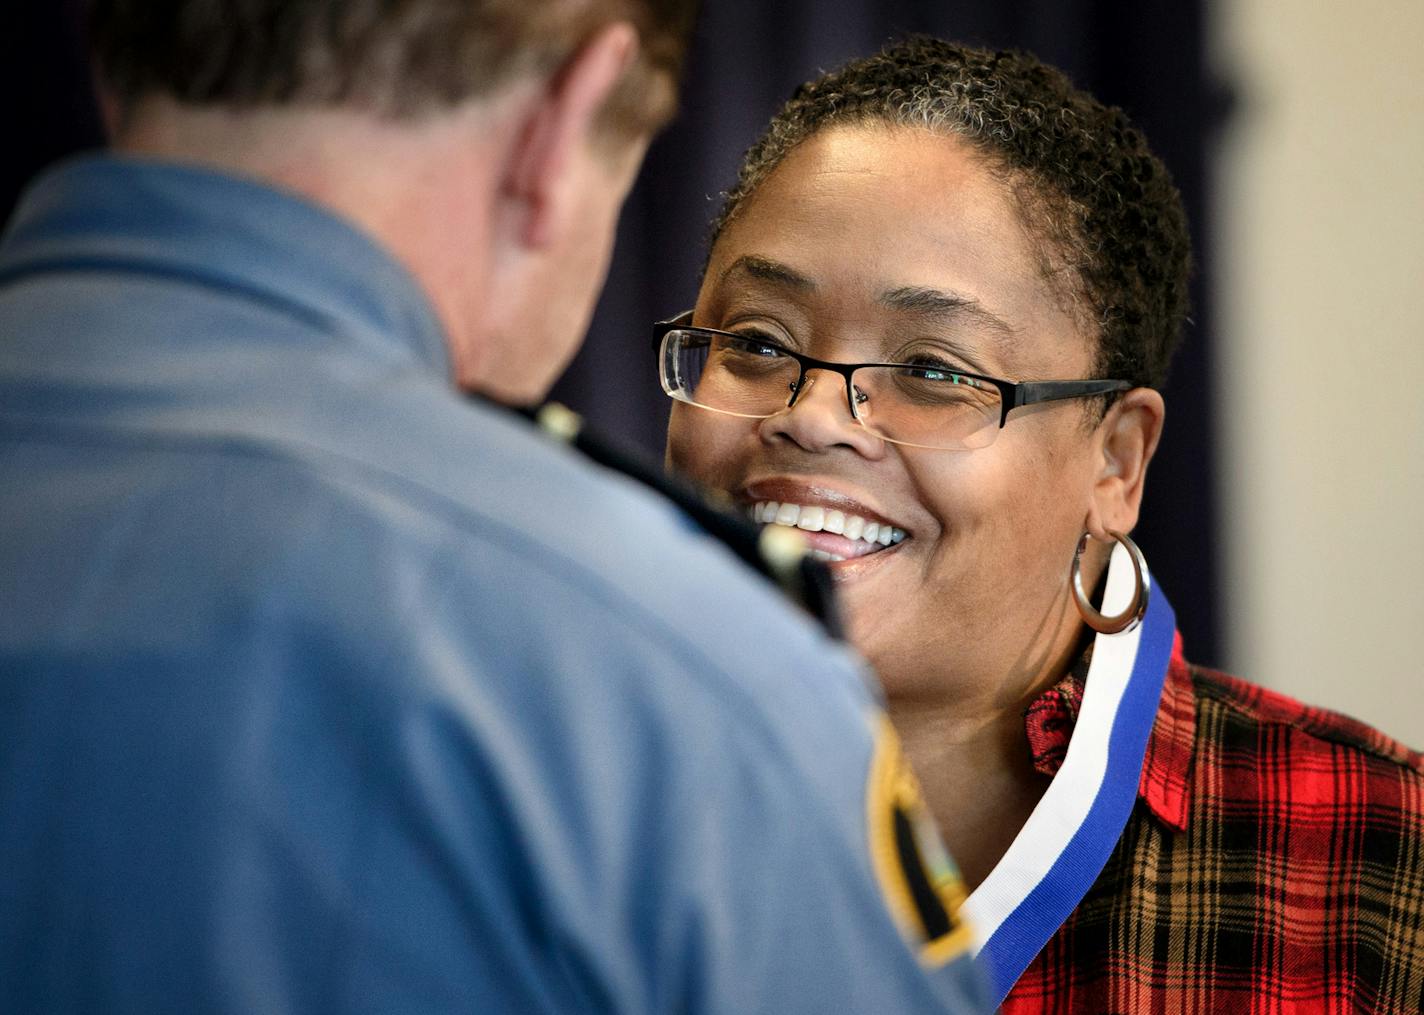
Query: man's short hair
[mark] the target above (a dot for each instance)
(1111, 229)
(394, 58)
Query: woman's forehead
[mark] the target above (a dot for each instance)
(866, 201)
(889, 223)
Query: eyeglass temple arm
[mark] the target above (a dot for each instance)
(1031, 392)
(661, 328)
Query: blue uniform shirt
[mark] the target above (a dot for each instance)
(323, 689)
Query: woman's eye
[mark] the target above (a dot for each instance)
(759, 343)
(930, 371)
(932, 367)
(929, 367)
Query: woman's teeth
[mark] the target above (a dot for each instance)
(814, 518)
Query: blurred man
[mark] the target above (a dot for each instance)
(323, 688)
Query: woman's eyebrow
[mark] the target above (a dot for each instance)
(937, 303)
(940, 305)
(766, 270)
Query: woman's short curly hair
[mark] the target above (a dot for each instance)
(1114, 240)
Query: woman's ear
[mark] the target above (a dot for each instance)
(1127, 439)
(559, 121)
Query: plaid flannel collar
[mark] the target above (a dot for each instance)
(1165, 784)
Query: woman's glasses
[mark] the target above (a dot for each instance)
(923, 405)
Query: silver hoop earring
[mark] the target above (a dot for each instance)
(1128, 618)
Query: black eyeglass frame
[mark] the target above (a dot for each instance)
(1012, 394)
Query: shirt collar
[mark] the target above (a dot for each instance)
(228, 232)
(1167, 766)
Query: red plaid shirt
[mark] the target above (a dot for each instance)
(1273, 862)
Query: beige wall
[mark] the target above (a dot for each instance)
(1319, 276)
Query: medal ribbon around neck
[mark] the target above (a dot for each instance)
(1067, 840)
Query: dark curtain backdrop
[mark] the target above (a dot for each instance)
(1146, 57)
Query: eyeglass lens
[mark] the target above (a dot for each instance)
(926, 406)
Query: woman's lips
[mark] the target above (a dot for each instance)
(833, 534)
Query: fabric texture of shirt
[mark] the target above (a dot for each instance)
(325, 689)
(1274, 862)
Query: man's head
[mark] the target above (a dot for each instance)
(395, 58)
(487, 143)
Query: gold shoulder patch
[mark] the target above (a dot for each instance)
(920, 883)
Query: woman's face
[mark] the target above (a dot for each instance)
(871, 244)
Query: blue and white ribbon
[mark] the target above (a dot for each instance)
(1062, 848)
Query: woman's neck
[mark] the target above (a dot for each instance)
(977, 777)
(965, 737)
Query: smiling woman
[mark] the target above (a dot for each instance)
(939, 304)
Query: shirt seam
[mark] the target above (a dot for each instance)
(1205, 687)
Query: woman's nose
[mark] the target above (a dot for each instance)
(819, 418)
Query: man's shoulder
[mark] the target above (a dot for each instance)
(490, 476)
(517, 517)
(355, 480)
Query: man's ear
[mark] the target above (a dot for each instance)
(111, 110)
(560, 119)
(1127, 439)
